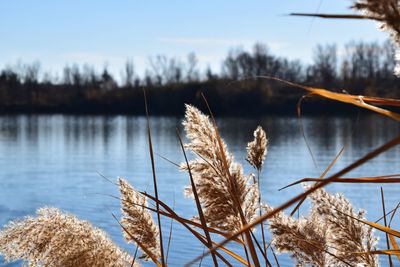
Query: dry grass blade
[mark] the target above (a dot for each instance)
(381, 252)
(322, 176)
(365, 180)
(323, 183)
(390, 212)
(168, 160)
(377, 226)
(170, 235)
(234, 255)
(335, 16)
(154, 178)
(260, 248)
(385, 222)
(395, 245)
(301, 127)
(275, 257)
(359, 101)
(393, 213)
(197, 200)
(176, 217)
(296, 208)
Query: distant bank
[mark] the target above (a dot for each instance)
(233, 101)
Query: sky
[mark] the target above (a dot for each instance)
(107, 33)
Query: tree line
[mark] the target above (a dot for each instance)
(238, 89)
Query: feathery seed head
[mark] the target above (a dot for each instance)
(257, 149)
(137, 221)
(58, 239)
(305, 238)
(219, 180)
(348, 235)
(388, 14)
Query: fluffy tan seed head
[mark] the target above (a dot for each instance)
(348, 235)
(219, 180)
(305, 238)
(257, 149)
(137, 221)
(57, 239)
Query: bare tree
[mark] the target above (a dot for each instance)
(129, 74)
(324, 69)
(192, 73)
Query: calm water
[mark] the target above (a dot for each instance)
(53, 160)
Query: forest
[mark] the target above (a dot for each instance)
(359, 68)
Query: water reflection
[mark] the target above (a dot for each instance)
(53, 160)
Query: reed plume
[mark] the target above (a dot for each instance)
(257, 149)
(219, 180)
(57, 239)
(137, 221)
(387, 12)
(348, 235)
(305, 238)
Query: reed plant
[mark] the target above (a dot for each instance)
(229, 204)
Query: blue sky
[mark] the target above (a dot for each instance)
(108, 32)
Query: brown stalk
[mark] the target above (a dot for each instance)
(264, 251)
(323, 183)
(197, 200)
(170, 235)
(275, 257)
(393, 213)
(385, 223)
(154, 178)
(134, 256)
(234, 190)
(260, 248)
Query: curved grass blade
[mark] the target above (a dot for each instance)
(359, 101)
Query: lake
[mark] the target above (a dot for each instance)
(54, 160)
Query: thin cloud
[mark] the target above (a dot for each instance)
(218, 41)
(90, 58)
(204, 41)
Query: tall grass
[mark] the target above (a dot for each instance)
(228, 203)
